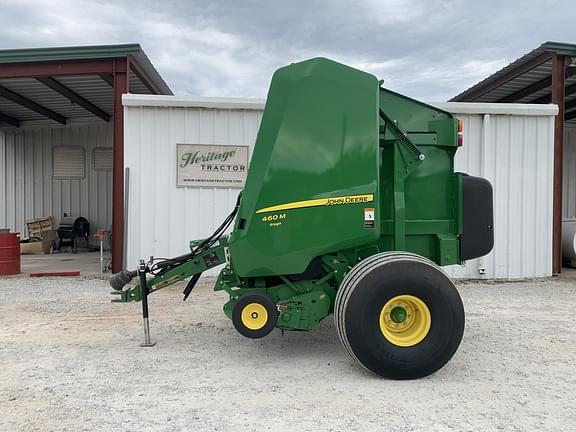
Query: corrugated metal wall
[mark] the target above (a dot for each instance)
(569, 171)
(513, 151)
(161, 217)
(28, 189)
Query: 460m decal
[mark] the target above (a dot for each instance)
(349, 199)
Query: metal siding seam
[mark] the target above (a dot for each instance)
(499, 186)
(159, 228)
(89, 189)
(52, 182)
(74, 192)
(160, 179)
(198, 191)
(128, 126)
(548, 194)
(184, 198)
(134, 137)
(19, 177)
(544, 195)
(83, 191)
(180, 197)
(36, 172)
(497, 240)
(540, 251)
(47, 158)
(28, 167)
(189, 195)
(166, 181)
(25, 173)
(486, 119)
(550, 121)
(524, 216)
(147, 219)
(11, 181)
(137, 205)
(41, 175)
(537, 198)
(509, 222)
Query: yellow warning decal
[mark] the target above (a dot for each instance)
(350, 199)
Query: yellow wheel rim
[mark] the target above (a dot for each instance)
(254, 316)
(405, 320)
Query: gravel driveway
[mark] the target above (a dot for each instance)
(70, 361)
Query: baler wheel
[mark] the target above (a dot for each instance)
(399, 315)
(254, 315)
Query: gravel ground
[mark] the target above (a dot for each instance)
(70, 361)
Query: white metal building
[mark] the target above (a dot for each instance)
(509, 144)
(162, 217)
(547, 74)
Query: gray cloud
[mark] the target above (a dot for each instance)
(431, 50)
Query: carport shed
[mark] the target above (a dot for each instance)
(62, 133)
(545, 75)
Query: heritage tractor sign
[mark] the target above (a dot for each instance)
(211, 165)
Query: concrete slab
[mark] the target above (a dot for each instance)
(88, 263)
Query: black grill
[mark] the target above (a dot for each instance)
(71, 229)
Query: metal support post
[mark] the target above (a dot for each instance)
(144, 291)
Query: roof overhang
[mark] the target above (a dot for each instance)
(70, 84)
(529, 80)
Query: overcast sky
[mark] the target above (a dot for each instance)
(427, 49)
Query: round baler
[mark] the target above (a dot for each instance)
(350, 207)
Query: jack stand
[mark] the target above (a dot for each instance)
(144, 291)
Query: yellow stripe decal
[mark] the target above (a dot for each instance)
(350, 199)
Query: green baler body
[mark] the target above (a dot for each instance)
(342, 169)
(325, 161)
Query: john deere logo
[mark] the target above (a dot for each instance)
(197, 157)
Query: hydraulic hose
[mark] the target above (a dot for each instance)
(119, 280)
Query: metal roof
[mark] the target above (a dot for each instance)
(91, 52)
(94, 88)
(528, 80)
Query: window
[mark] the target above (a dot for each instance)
(68, 162)
(103, 159)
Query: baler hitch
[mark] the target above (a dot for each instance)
(166, 272)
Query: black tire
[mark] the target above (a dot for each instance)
(369, 286)
(268, 323)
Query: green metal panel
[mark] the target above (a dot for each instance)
(27, 55)
(561, 48)
(431, 193)
(318, 141)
